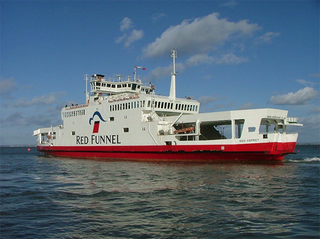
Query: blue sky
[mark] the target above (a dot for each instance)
(231, 55)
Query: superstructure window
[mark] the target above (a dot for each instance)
(238, 124)
(126, 130)
(251, 129)
(271, 125)
(215, 130)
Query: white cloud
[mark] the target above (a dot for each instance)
(300, 97)
(157, 16)
(199, 36)
(230, 3)
(311, 122)
(315, 110)
(306, 83)
(246, 106)
(199, 59)
(267, 37)
(135, 36)
(317, 75)
(126, 24)
(120, 39)
(7, 86)
(230, 58)
(128, 37)
(207, 99)
(42, 100)
(164, 71)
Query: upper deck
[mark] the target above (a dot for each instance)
(100, 85)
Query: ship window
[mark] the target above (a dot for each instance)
(238, 124)
(251, 129)
(113, 86)
(215, 130)
(118, 86)
(108, 85)
(73, 132)
(111, 118)
(149, 103)
(267, 126)
(126, 130)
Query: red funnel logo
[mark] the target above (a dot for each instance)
(96, 124)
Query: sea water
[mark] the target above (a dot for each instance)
(48, 197)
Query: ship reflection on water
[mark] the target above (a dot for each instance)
(178, 199)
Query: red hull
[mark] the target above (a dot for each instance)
(263, 152)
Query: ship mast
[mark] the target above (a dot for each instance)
(86, 78)
(173, 75)
(135, 71)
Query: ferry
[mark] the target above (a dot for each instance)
(124, 119)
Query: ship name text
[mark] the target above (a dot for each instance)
(98, 139)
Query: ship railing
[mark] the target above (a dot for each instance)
(75, 106)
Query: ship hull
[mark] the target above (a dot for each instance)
(264, 152)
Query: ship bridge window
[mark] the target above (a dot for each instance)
(215, 130)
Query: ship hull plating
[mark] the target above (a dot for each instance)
(265, 152)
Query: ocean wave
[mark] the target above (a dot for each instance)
(305, 160)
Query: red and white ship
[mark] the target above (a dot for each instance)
(124, 119)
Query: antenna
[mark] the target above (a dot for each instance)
(135, 71)
(119, 78)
